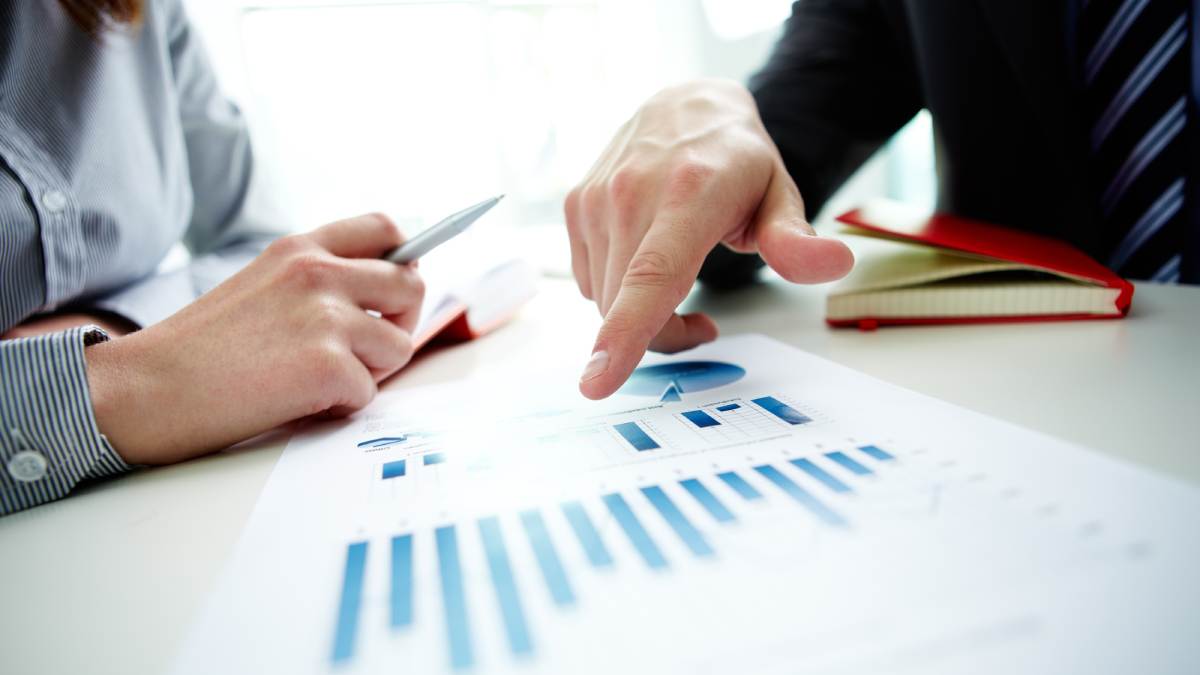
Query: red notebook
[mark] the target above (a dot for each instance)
(914, 267)
(455, 312)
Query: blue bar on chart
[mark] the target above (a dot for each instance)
(638, 438)
(814, 471)
(394, 469)
(547, 558)
(402, 581)
(433, 458)
(700, 418)
(692, 538)
(454, 601)
(728, 406)
(348, 605)
(637, 534)
(506, 586)
(708, 500)
(877, 452)
(781, 410)
(818, 509)
(846, 462)
(589, 537)
(740, 486)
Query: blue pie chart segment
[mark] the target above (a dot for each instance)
(668, 380)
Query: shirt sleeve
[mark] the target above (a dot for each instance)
(49, 440)
(234, 214)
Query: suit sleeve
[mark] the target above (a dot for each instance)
(839, 83)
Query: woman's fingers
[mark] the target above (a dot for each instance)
(396, 291)
(366, 236)
(358, 388)
(385, 287)
(379, 344)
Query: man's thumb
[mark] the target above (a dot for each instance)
(788, 244)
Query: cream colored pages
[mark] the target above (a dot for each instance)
(897, 279)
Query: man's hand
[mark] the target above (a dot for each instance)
(692, 169)
(287, 337)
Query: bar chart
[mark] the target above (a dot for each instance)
(641, 434)
(750, 508)
(809, 490)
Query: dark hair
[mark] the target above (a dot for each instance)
(97, 16)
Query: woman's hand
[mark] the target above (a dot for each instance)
(286, 337)
(694, 168)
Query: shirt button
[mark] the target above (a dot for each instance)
(27, 466)
(54, 201)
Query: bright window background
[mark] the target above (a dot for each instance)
(417, 108)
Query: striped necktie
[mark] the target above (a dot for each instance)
(1135, 72)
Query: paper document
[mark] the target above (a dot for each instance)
(744, 507)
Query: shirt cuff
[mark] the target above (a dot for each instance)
(49, 440)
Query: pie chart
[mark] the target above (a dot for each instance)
(668, 381)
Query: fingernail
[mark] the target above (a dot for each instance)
(595, 366)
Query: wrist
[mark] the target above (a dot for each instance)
(123, 393)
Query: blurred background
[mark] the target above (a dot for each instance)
(420, 107)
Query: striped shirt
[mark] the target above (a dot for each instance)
(112, 151)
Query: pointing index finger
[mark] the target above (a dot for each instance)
(658, 278)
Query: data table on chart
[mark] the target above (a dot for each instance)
(742, 507)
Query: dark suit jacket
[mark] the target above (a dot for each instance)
(996, 76)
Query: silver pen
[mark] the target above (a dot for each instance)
(439, 233)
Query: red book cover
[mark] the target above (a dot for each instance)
(906, 223)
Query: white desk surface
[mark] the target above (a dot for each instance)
(107, 580)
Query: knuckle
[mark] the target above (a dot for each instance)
(626, 191)
(626, 185)
(571, 207)
(326, 362)
(287, 246)
(416, 285)
(310, 270)
(381, 220)
(652, 269)
(592, 200)
(330, 367)
(365, 394)
(404, 347)
(327, 316)
(359, 392)
(387, 227)
(382, 227)
(689, 178)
